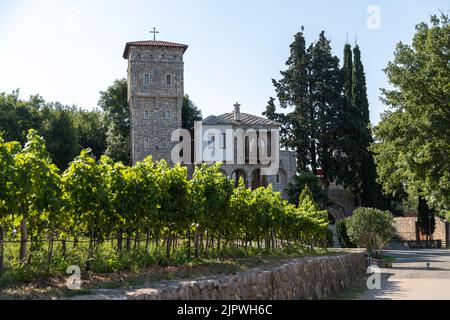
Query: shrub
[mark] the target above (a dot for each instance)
(371, 228)
(329, 237)
(344, 239)
(446, 215)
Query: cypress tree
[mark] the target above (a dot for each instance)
(426, 225)
(347, 72)
(312, 86)
(325, 91)
(367, 175)
(292, 91)
(359, 87)
(349, 132)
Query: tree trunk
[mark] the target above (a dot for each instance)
(273, 240)
(189, 243)
(2, 248)
(63, 248)
(196, 243)
(168, 247)
(90, 250)
(147, 240)
(202, 244)
(207, 246)
(246, 245)
(50, 252)
(136, 238)
(30, 254)
(157, 241)
(128, 243)
(23, 241)
(75, 242)
(119, 241)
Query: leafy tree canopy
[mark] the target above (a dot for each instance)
(190, 113)
(413, 137)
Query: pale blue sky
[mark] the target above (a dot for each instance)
(69, 50)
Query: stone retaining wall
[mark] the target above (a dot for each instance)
(312, 278)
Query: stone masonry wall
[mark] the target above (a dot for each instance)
(155, 106)
(344, 200)
(406, 229)
(440, 231)
(312, 278)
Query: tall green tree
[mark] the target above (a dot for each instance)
(312, 87)
(325, 97)
(292, 91)
(91, 131)
(18, 116)
(59, 131)
(370, 192)
(114, 102)
(350, 146)
(286, 132)
(413, 137)
(65, 129)
(190, 113)
(425, 219)
(359, 87)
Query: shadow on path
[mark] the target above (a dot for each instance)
(419, 274)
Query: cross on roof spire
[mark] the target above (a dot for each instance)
(154, 33)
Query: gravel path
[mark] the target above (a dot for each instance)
(411, 278)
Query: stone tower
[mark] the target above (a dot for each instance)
(155, 96)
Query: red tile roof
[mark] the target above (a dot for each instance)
(150, 43)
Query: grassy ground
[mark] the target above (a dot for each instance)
(388, 259)
(352, 293)
(38, 281)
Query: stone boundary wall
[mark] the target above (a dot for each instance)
(440, 232)
(309, 278)
(406, 229)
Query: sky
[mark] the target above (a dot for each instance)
(70, 50)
